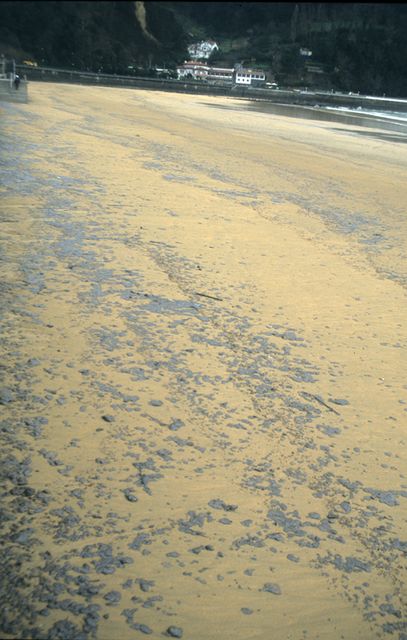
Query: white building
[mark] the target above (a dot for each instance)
(249, 76)
(196, 70)
(220, 74)
(202, 50)
(201, 71)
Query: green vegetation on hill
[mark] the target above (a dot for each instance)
(355, 46)
(90, 35)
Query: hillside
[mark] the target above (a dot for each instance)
(355, 47)
(90, 36)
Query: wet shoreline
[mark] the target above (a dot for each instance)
(317, 113)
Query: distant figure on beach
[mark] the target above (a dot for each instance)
(17, 81)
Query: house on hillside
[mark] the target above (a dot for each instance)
(202, 50)
(191, 69)
(249, 77)
(201, 71)
(220, 75)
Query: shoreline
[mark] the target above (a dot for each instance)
(326, 114)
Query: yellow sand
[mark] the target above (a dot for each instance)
(274, 219)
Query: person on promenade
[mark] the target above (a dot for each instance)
(17, 82)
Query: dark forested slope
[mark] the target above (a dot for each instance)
(355, 46)
(91, 35)
(359, 46)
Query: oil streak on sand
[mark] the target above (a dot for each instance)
(203, 392)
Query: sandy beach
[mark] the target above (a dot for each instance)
(203, 394)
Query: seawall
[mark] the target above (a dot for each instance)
(303, 98)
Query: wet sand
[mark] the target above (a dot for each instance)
(203, 397)
(393, 128)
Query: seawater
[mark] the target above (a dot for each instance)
(395, 116)
(393, 121)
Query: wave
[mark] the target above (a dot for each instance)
(395, 116)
